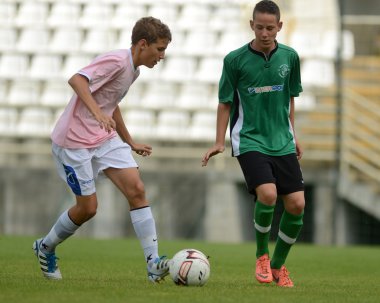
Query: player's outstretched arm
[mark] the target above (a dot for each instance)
(223, 114)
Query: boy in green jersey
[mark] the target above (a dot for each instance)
(256, 96)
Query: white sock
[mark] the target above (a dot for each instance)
(61, 230)
(145, 228)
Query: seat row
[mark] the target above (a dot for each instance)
(49, 66)
(185, 14)
(56, 94)
(168, 125)
(66, 40)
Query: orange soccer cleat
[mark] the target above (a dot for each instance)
(263, 270)
(281, 277)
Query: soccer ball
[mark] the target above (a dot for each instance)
(189, 267)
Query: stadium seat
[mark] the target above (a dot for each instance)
(46, 67)
(13, 65)
(133, 99)
(3, 92)
(159, 95)
(8, 11)
(24, 92)
(177, 44)
(203, 126)
(166, 12)
(193, 16)
(318, 73)
(98, 41)
(210, 69)
(8, 121)
(231, 40)
(227, 17)
(66, 40)
(74, 63)
(56, 93)
(35, 122)
(64, 14)
(8, 38)
(126, 15)
(329, 45)
(124, 40)
(305, 102)
(140, 123)
(150, 74)
(305, 43)
(200, 43)
(194, 96)
(32, 13)
(33, 40)
(179, 68)
(96, 14)
(173, 125)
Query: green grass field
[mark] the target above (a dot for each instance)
(114, 271)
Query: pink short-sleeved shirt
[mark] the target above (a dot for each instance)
(110, 75)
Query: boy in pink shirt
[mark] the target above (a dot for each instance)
(90, 138)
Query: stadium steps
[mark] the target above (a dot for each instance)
(316, 130)
(360, 166)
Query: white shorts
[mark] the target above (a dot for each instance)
(80, 167)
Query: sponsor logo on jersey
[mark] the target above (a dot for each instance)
(266, 89)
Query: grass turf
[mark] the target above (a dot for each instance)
(114, 271)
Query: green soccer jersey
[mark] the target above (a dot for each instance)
(259, 90)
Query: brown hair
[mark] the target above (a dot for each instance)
(267, 6)
(150, 29)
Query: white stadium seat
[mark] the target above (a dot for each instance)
(194, 96)
(96, 14)
(8, 11)
(179, 68)
(203, 126)
(194, 16)
(46, 66)
(56, 93)
(64, 14)
(24, 92)
(227, 17)
(33, 40)
(8, 38)
(66, 40)
(126, 15)
(74, 63)
(32, 13)
(99, 40)
(140, 123)
(173, 125)
(166, 12)
(159, 95)
(35, 122)
(14, 65)
(200, 43)
(8, 121)
(317, 73)
(210, 69)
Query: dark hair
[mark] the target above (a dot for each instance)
(150, 29)
(267, 6)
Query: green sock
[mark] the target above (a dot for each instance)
(290, 227)
(263, 220)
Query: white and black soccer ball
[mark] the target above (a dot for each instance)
(189, 267)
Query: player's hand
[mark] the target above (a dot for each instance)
(142, 149)
(106, 122)
(216, 149)
(299, 150)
